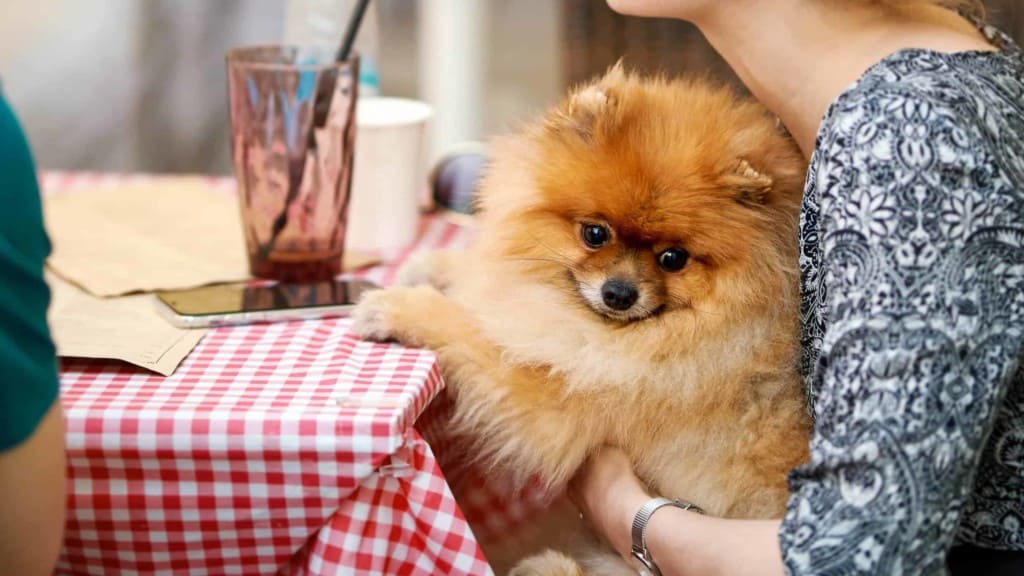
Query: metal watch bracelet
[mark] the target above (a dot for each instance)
(642, 560)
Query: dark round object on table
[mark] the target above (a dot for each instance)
(455, 181)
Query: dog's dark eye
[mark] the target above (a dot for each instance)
(594, 235)
(673, 259)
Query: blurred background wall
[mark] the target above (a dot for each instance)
(138, 85)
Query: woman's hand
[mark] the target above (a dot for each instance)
(608, 494)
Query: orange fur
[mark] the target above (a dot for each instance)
(702, 390)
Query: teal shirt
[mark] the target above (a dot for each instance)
(28, 366)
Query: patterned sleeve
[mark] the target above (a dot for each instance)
(921, 289)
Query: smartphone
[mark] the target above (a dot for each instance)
(248, 302)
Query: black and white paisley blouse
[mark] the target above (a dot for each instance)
(912, 278)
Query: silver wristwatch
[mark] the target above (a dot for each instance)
(641, 556)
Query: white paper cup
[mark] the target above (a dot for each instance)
(389, 173)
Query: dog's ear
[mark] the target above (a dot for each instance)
(591, 110)
(751, 185)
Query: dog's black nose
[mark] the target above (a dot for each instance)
(619, 294)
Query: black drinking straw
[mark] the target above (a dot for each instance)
(354, 23)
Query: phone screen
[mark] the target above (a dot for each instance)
(249, 297)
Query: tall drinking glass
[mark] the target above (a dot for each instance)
(293, 132)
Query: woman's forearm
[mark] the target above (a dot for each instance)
(685, 543)
(682, 543)
(32, 496)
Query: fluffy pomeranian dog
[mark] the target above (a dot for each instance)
(633, 283)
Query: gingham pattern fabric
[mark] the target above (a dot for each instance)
(273, 447)
(406, 509)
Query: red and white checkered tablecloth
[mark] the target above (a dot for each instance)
(279, 447)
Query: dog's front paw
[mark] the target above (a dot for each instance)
(371, 319)
(434, 268)
(549, 563)
(417, 270)
(406, 315)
